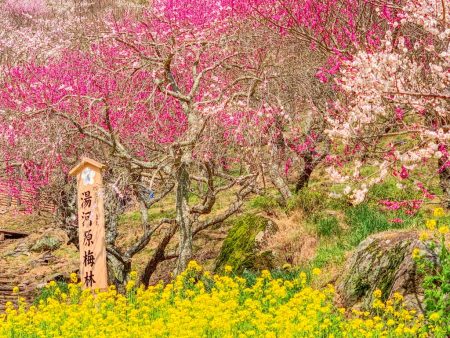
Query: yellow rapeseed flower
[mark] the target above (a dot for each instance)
(438, 212)
(398, 297)
(265, 274)
(193, 265)
(443, 229)
(377, 293)
(416, 253)
(73, 277)
(210, 305)
(316, 271)
(435, 316)
(130, 285)
(424, 236)
(378, 304)
(287, 266)
(431, 224)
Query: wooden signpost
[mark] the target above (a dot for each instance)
(91, 223)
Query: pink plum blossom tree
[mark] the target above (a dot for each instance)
(147, 98)
(198, 99)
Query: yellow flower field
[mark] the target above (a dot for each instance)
(199, 304)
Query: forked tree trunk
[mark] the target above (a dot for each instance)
(118, 271)
(183, 219)
(158, 256)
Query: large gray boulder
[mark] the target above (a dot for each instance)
(384, 261)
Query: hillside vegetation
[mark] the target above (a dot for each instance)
(224, 168)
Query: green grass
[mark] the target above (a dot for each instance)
(309, 201)
(263, 203)
(159, 214)
(134, 217)
(329, 253)
(363, 220)
(389, 190)
(327, 225)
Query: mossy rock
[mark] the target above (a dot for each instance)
(383, 261)
(47, 243)
(240, 247)
(264, 261)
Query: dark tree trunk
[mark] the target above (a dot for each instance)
(308, 168)
(444, 176)
(158, 256)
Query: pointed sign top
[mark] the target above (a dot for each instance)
(85, 161)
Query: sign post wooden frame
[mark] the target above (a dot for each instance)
(91, 223)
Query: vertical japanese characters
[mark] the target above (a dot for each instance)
(88, 239)
(91, 224)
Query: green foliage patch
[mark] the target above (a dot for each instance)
(309, 201)
(49, 291)
(389, 190)
(264, 203)
(363, 220)
(436, 282)
(329, 253)
(327, 225)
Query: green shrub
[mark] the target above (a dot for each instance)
(437, 291)
(436, 282)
